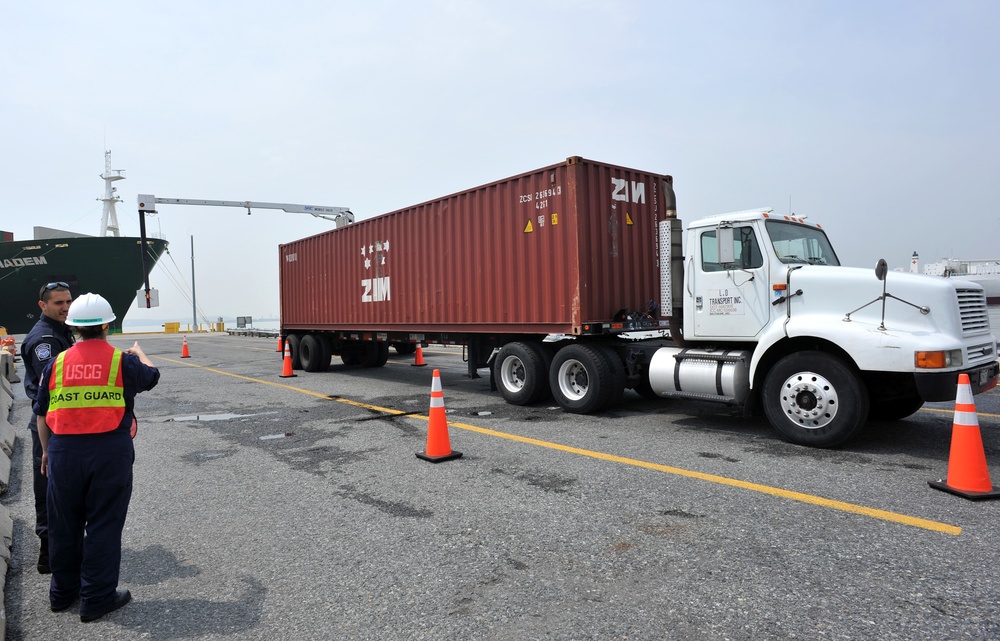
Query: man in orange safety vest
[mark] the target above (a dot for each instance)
(86, 424)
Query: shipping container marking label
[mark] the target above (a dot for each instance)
(622, 193)
(628, 219)
(530, 227)
(378, 288)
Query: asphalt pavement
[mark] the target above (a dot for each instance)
(295, 508)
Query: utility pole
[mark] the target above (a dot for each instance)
(194, 299)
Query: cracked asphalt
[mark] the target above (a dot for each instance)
(295, 508)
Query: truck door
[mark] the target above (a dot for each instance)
(730, 299)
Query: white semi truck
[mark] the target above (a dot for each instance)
(763, 315)
(545, 276)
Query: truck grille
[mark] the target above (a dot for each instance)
(972, 308)
(981, 352)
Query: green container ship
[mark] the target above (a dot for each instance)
(110, 265)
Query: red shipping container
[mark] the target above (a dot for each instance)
(559, 250)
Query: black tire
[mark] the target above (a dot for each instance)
(350, 358)
(294, 342)
(814, 398)
(586, 378)
(617, 376)
(327, 346)
(521, 373)
(374, 354)
(405, 348)
(894, 409)
(312, 352)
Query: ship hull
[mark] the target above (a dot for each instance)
(111, 266)
(991, 286)
(985, 272)
(990, 283)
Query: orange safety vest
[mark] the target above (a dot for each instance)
(86, 393)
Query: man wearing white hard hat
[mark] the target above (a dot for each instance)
(84, 406)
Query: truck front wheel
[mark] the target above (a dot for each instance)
(586, 378)
(814, 398)
(521, 373)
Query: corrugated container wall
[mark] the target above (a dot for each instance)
(543, 252)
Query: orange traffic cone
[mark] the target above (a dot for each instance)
(184, 348)
(418, 360)
(968, 475)
(279, 344)
(438, 445)
(286, 370)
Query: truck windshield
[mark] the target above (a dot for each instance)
(795, 243)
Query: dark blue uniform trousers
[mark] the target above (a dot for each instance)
(90, 485)
(40, 487)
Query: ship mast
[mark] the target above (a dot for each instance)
(109, 221)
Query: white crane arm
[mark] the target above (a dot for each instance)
(339, 215)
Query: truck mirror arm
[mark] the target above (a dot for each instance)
(881, 274)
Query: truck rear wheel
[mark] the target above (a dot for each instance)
(814, 398)
(586, 378)
(521, 373)
(314, 353)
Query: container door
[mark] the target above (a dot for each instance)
(730, 298)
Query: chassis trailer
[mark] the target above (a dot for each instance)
(545, 277)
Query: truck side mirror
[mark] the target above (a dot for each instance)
(726, 251)
(881, 269)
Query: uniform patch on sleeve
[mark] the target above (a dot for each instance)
(43, 352)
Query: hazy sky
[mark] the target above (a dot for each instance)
(880, 120)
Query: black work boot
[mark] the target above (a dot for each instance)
(43, 557)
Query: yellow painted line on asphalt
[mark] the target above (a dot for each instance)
(791, 495)
(723, 480)
(952, 412)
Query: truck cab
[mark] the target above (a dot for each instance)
(823, 347)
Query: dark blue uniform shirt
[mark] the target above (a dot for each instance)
(42, 344)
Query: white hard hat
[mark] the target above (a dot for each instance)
(89, 309)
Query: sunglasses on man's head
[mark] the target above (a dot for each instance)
(47, 288)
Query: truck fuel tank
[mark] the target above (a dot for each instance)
(708, 374)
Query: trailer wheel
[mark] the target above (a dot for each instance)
(814, 398)
(312, 352)
(521, 374)
(327, 345)
(586, 378)
(350, 358)
(374, 354)
(405, 349)
(294, 344)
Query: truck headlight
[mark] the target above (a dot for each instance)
(938, 360)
